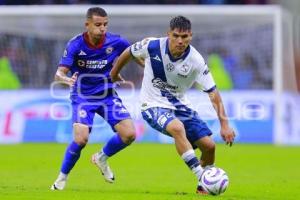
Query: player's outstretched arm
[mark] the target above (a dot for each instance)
(227, 132)
(61, 76)
(123, 59)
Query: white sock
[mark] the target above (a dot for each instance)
(198, 171)
(62, 176)
(102, 156)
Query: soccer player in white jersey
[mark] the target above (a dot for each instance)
(172, 66)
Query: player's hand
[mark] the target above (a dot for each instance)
(71, 81)
(114, 78)
(228, 135)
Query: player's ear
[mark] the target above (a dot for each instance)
(191, 35)
(86, 24)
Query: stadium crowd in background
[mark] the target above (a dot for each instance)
(253, 66)
(33, 2)
(19, 50)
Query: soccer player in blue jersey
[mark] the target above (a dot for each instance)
(172, 66)
(89, 58)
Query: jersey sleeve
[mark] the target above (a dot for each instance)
(204, 78)
(68, 56)
(140, 49)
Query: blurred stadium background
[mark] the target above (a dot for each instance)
(252, 50)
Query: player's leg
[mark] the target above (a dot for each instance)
(184, 148)
(81, 134)
(72, 154)
(207, 158)
(166, 122)
(125, 135)
(119, 119)
(207, 147)
(176, 129)
(198, 134)
(82, 117)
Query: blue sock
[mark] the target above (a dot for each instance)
(114, 145)
(71, 156)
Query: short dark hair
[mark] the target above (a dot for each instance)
(95, 11)
(180, 22)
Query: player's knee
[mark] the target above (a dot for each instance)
(210, 147)
(176, 129)
(81, 134)
(129, 137)
(81, 140)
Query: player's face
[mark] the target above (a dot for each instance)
(179, 41)
(97, 26)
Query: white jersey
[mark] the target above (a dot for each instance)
(166, 79)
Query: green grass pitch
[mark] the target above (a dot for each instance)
(149, 172)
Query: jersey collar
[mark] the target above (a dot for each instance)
(89, 44)
(185, 54)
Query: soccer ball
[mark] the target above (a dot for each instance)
(214, 180)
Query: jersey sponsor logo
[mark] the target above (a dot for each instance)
(156, 58)
(92, 64)
(96, 64)
(182, 75)
(170, 67)
(81, 63)
(158, 83)
(109, 50)
(82, 53)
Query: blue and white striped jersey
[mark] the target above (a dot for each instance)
(167, 79)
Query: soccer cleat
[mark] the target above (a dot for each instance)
(59, 184)
(201, 191)
(103, 167)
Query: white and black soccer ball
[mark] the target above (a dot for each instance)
(214, 180)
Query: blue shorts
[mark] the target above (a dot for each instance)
(109, 108)
(159, 118)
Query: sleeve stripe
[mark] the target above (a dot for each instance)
(211, 89)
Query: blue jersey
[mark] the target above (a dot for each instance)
(93, 63)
